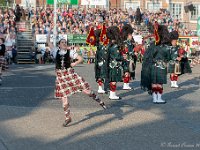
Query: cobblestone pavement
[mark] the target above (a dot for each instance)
(31, 119)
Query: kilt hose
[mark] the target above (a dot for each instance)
(68, 83)
(158, 75)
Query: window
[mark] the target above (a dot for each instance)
(176, 10)
(133, 5)
(196, 12)
(153, 6)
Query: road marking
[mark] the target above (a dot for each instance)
(36, 87)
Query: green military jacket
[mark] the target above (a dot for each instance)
(115, 63)
(154, 67)
(101, 62)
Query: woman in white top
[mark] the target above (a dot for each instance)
(67, 81)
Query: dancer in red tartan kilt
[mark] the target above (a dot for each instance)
(2, 58)
(67, 81)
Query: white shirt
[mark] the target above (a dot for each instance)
(73, 54)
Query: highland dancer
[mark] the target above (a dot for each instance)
(67, 81)
(154, 68)
(2, 58)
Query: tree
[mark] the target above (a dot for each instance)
(3, 2)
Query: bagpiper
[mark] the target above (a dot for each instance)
(154, 67)
(115, 59)
(129, 62)
(101, 60)
(174, 67)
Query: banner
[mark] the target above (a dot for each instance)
(21, 26)
(198, 28)
(138, 39)
(74, 2)
(98, 2)
(42, 38)
(88, 48)
(85, 2)
(192, 40)
(76, 38)
(50, 2)
(71, 2)
(93, 2)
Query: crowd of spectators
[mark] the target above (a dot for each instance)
(77, 21)
(8, 30)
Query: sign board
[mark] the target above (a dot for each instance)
(71, 2)
(198, 27)
(93, 2)
(192, 40)
(42, 38)
(21, 26)
(74, 2)
(88, 48)
(50, 2)
(138, 39)
(76, 38)
(85, 2)
(98, 2)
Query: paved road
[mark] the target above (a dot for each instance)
(31, 119)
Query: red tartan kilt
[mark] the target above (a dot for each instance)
(3, 63)
(68, 82)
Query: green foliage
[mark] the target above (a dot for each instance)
(2, 2)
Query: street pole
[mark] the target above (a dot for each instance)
(14, 4)
(108, 5)
(54, 28)
(7, 3)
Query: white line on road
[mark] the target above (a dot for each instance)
(11, 88)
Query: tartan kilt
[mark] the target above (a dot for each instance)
(158, 75)
(68, 83)
(125, 66)
(100, 72)
(129, 66)
(115, 74)
(171, 67)
(3, 63)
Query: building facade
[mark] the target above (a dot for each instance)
(175, 7)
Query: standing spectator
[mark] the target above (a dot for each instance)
(47, 58)
(38, 54)
(18, 13)
(2, 58)
(14, 54)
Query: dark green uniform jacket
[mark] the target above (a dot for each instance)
(154, 67)
(101, 62)
(115, 63)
